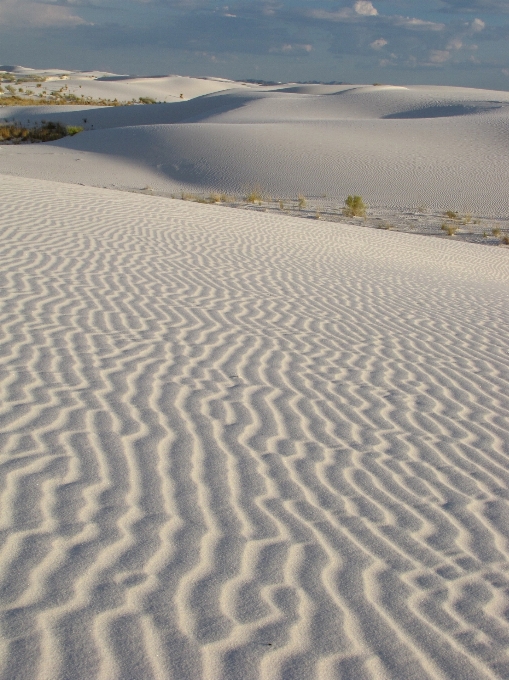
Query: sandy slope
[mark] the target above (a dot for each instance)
(102, 85)
(236, 445)
(444, 148)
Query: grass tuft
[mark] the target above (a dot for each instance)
(354, 207)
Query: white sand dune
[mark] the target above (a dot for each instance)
(445, 148)
(240, 445)
(124, 88)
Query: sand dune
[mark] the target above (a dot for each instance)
(236, 445)
(399, 147)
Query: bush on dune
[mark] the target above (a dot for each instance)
(46, 132)
(354, 207)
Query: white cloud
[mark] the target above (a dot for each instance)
(478, 25)
(439, 56)
(378, 44)
(454, 44)
(21, 13)
(419, 24)
(331, 16)
(365, 8)
(291, 48)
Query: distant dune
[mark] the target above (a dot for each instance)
(398, 147)
(244, 445)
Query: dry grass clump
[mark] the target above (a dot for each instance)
(354, 207)
(220, 198)
(505, 240)
(255, 196)
(451, 229)
(46, 132)
(301, 201)
(147, 100)
(496, 232)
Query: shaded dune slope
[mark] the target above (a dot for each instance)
(445, 148)
(236, 445)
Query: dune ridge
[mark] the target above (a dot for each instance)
(237, 445)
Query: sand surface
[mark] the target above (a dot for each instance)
(239, 445)
(442, 148)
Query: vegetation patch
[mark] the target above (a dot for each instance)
(46, 132)
(354, 207)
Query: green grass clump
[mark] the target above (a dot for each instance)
(354, 207)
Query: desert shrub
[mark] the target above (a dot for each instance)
(354, 207)
(73, 129)
(255, 196)
(46, 132)
(451, 230)
(496, 231)
(281, 205)
(451, 214)
(505, 240)
(301, 201)
(147, 100)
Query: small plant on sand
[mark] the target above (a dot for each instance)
(301, 201)
(485, 235)
(147, 100)
(318, 215)
(74, 129)
(281, 205)
(496, 231)
(255, 196)
(354, 207)
(451, 214)
(386, 225)
(505, 240)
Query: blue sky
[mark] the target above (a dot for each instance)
(456, 42)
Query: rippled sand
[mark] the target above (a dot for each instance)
(240, 445)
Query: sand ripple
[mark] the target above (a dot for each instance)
(235, 445)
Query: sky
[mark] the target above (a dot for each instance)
(446, 42)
